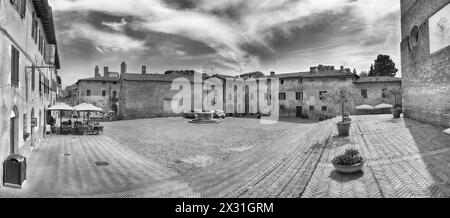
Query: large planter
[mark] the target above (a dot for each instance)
(349, 169)
(396, 113)
(344, 128)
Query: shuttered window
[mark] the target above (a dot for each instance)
(33, 79)
(14, 66)
(20, 6)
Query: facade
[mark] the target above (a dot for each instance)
(378, 90)
(101, 91)
(425, 54)
(150, 95)
(29, 82)
(301, 94)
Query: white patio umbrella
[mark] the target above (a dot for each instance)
(61, 107)
(365, 107)
(85, 107)
(384, 106)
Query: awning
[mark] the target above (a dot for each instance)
(384, 106)
(365, 107)
(87, 108)
(61, 107)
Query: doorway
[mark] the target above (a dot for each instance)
(14, 130)
(299, 111)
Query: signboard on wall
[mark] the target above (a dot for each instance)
(440, 29)
(34, 122)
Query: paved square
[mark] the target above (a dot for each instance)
(163, 158)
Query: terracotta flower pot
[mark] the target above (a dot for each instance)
(349, 169)
(396, 113)
(344, 128)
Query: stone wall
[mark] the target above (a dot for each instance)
(96, 98)
(426, 77)
(311, 88)
(375, 93)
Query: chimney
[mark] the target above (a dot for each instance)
(272, 73)
(144, 69)
(123, 68)
(106, 72)
(342, 67)
(97, 72)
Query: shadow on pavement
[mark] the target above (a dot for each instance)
(345, 178)
(430, 139)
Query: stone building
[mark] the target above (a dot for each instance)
(101, 91)
(425, 58)
(29, 82)
(150, 95)
(377, 90)
(301, 94)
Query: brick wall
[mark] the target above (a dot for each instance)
(426, 77)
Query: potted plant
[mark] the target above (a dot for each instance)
(350, 162)
(397, 110)
(342, 97)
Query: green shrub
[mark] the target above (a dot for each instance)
(350, 158)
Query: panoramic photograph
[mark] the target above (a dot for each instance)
(225, 99)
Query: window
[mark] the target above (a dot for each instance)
(34, 25)
(311, 108)
(103, 93)
(115, 83)
(282, 96)
(384, 93)
(104, 83)
(282, 82)
(33, 79)
(114, 94)
(14, 67)
(414, 37)
(181, 102)
(300, 80)
(40, 42)
(299, 96)
(364, 93)
(20, 6)
(324, 108)
(322, 95)
(282, 107)
(88, 92)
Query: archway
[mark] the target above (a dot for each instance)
(14, 130)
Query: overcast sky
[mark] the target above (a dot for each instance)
(225, 36)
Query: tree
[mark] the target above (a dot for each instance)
(341, 97)
(363, 74)
(384, 66)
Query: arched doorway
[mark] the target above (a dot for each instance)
(32, 128)
(14, 130)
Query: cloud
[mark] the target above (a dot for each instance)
(242, 34)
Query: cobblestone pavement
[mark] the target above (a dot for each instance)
(404, 158)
